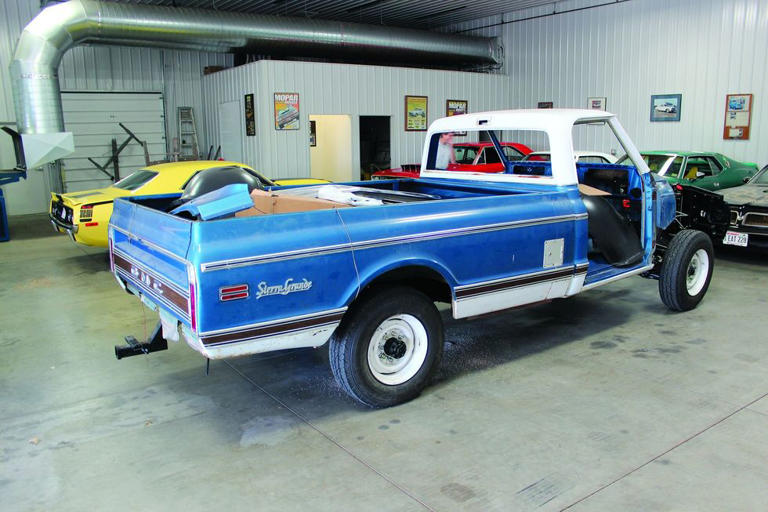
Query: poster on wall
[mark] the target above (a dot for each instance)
(415, 113)
(250, 116)
(286, 111)
(545, 104)
(456, 108)
(597, 103)
(312, 134)
(738, 116)
(666, 107)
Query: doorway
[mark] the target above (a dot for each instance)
(374, 145)
(330, 150)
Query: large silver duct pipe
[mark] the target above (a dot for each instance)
(60, 27)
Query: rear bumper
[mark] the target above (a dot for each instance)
(63, 227)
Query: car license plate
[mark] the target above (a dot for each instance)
(736, 238)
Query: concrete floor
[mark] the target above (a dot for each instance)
(606, 401)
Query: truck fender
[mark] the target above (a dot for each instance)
(411, 272)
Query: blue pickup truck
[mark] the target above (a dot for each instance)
(361, 265)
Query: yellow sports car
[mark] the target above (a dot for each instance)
(85, 215)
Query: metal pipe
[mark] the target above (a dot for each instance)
(59, 27)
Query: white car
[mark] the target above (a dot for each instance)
(581, 157)
(666, 107)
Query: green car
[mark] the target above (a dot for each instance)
(711, 171)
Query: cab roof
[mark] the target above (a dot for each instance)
(526, 119)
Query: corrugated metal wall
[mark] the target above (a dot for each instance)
(703, 49)
(14, 15)
(177, 74)
(341, 89)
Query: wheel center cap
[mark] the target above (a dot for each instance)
(394, 348)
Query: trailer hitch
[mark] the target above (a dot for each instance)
(133, 347)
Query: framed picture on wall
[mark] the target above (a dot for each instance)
(250, 117)
(545, 104)
(666, 107)
(456, 108)
(416, 113)
(597, 103)
(312, 134)
(286, 111)
(738, 116)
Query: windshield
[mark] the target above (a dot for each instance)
(656, 164)
(465, 154)
(135, 180)
(761, 178)
(537, 157)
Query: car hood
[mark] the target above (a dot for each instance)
(754, 195)
(101, 195)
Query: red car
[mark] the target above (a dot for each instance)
(470, 156)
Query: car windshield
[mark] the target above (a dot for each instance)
(135, 180)
(538, 157)
(761, 178)
(655, 164)
(464, 154)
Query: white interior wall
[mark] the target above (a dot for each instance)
(340, 89)
(627, 51)
(177, 74)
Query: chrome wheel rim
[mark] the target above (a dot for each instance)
(397, 349)
(697, 271)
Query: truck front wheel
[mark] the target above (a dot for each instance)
(686, 270)
(388, 347)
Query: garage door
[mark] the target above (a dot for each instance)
(93, 119)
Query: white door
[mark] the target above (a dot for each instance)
(331, 157)
(93, 119)
(231, 131)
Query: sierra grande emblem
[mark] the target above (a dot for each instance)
(290, 286)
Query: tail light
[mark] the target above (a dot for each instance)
(227, 293)
(111, 255)
(191, 303)
(86, 212)
(626, 203)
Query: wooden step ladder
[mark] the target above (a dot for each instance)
(188, 148)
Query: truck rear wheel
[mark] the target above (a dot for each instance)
(387, 347)
(686, 270)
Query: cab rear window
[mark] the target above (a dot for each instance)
(135, 180)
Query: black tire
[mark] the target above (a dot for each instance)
(350, 344)
(678, 265)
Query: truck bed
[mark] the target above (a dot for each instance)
(483, 239)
